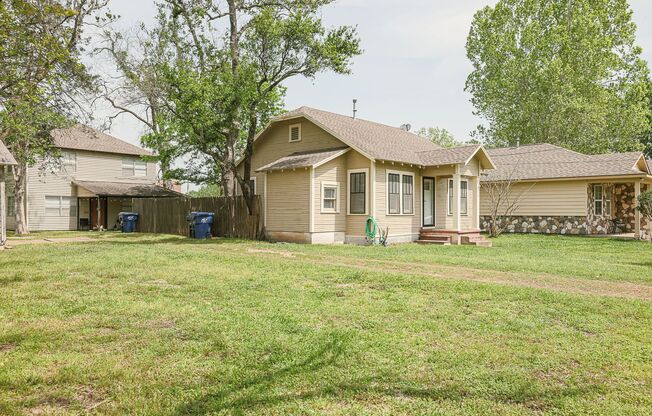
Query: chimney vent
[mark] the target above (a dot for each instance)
(406, 126)
(355, 110)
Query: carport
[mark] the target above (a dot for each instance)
(98, 203)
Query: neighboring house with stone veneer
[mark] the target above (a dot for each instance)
(565, 192)
(321, 175)
(97, 177)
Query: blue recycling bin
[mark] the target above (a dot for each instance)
(128, 221)
(200, 224)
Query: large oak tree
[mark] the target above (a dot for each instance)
(224, 69)
(566, 72)
(41, 78)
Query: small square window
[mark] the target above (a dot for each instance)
(330, 192)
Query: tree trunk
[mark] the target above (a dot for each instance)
(20, 195)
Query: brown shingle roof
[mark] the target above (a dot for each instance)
(303, 159)
(126, 189)
(546, 161)
(372, 139)
(449, 156)
(82, 137)
(6, 158)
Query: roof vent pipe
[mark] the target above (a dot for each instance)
(518, 142)
(355, 101)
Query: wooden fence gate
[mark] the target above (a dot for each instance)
(168, 216)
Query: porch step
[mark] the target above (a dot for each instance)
(435, 242)
(433, 237)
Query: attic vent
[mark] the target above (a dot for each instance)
(295, 133)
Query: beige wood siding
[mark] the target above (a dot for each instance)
(288, 201)
(274, 144)
(39, 186)
(555, 198)
(331, 172)
(403, 224)
(442, 175)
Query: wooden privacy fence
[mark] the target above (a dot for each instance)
(168, 216)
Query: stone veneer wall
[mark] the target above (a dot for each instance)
(623, 218)
(625, 205)
(543, 225)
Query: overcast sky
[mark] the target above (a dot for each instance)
(413, 68)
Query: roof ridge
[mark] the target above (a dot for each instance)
(450, 148)
(360, 119)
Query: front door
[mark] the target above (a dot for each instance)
(428, 202)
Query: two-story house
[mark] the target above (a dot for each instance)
(96, 179)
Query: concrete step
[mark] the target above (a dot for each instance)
(476, 240)
(434, 242)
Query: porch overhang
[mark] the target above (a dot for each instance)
(90, 189)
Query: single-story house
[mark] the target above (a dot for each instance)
(560, 191)
(321, 175)
(97, 178)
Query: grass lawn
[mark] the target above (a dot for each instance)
(162, 325)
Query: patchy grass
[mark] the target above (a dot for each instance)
(167, 326)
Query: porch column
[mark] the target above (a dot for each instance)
(3, 215)
(457, 223)
(99, 213)
(637, 213)
(476, 203)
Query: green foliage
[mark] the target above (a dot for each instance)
(223, 73)
(42, 75)
(439, 136)
(561, 72)
(647, 136)
(207, 190)
(645, 204)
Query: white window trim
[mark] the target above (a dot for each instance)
(464, 214)
(348, 191)
(605, 201)
(64, 165)
(71, 211)
(130, 163)
(292, 126)
(335, 185)
(253, 178)
(400, 192)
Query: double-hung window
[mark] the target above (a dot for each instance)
(69, 161)
(464, 197)
(400, 193)
(330, 192)
(59, 206)
(11, 208)
(408, 194)
(394, 192)
(451, 185)
(132, 167)
(358, 192)
(601, 201)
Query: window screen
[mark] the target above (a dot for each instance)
(394, 192)
(357, 193)
(408, 194)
